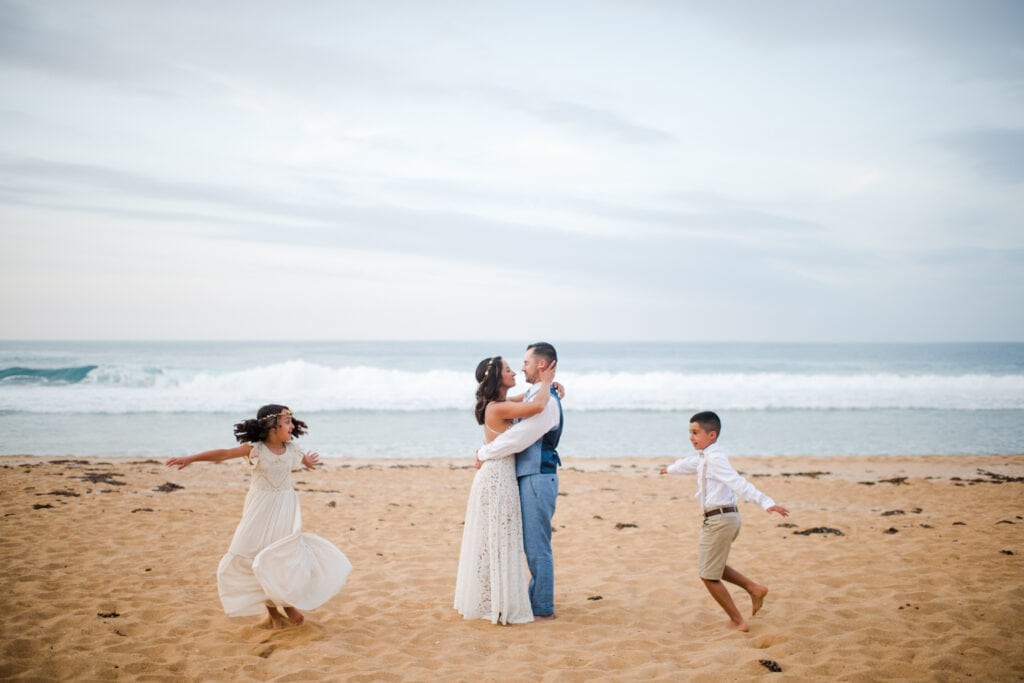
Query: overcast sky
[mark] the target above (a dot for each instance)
(757, 171)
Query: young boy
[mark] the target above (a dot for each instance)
(717, 486)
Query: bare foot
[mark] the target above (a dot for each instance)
(275, 618)
(543, 617)
(733, 626)
(295, 617)
(757, 598)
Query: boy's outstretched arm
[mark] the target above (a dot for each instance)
(778, 508)
(687, 465)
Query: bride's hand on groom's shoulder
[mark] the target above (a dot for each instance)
(548, 374)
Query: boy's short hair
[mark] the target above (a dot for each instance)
(708, 421)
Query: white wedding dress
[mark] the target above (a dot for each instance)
(270, 560)
(492, 580)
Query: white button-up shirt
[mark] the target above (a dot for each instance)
(522, 434)
(724, 483)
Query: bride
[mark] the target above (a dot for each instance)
(492, 582)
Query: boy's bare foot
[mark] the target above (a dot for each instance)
(295, 617)
(275, 618)
(757, 598)
(741, 626)
(543, 617)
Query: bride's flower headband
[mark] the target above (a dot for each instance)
(487, 370)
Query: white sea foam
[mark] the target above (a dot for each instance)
(309, 387)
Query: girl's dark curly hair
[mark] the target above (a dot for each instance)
(251, 431)
(488, 374)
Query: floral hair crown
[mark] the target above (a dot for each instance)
(487, 370)
(283, 413)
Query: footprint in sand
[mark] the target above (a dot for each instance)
(264, 650)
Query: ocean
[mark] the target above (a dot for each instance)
(415, 399)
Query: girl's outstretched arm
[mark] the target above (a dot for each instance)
(216, 455)
(310, 459)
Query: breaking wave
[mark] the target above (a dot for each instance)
(312, 387)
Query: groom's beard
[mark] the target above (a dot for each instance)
(534, 378)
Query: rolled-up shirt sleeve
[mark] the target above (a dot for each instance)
(522, 434)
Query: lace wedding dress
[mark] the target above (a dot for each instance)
(492, 581)
(270, 559)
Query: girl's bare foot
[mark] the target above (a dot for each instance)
(757, 597)
(295, 617)
(275, 617)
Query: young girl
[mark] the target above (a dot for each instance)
(270, 561)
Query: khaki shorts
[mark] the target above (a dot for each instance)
(716, 537)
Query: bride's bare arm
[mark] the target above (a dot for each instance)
(512, 408)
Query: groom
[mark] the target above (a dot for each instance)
(534, 441)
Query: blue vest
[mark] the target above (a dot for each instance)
(542, 457)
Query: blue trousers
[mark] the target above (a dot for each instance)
(537, 496)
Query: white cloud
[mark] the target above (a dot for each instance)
(662, 170)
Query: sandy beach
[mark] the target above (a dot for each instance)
(889, 568)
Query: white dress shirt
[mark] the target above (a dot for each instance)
(724, 483)
(522, 434)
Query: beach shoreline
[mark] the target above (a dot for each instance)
(110, 570)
